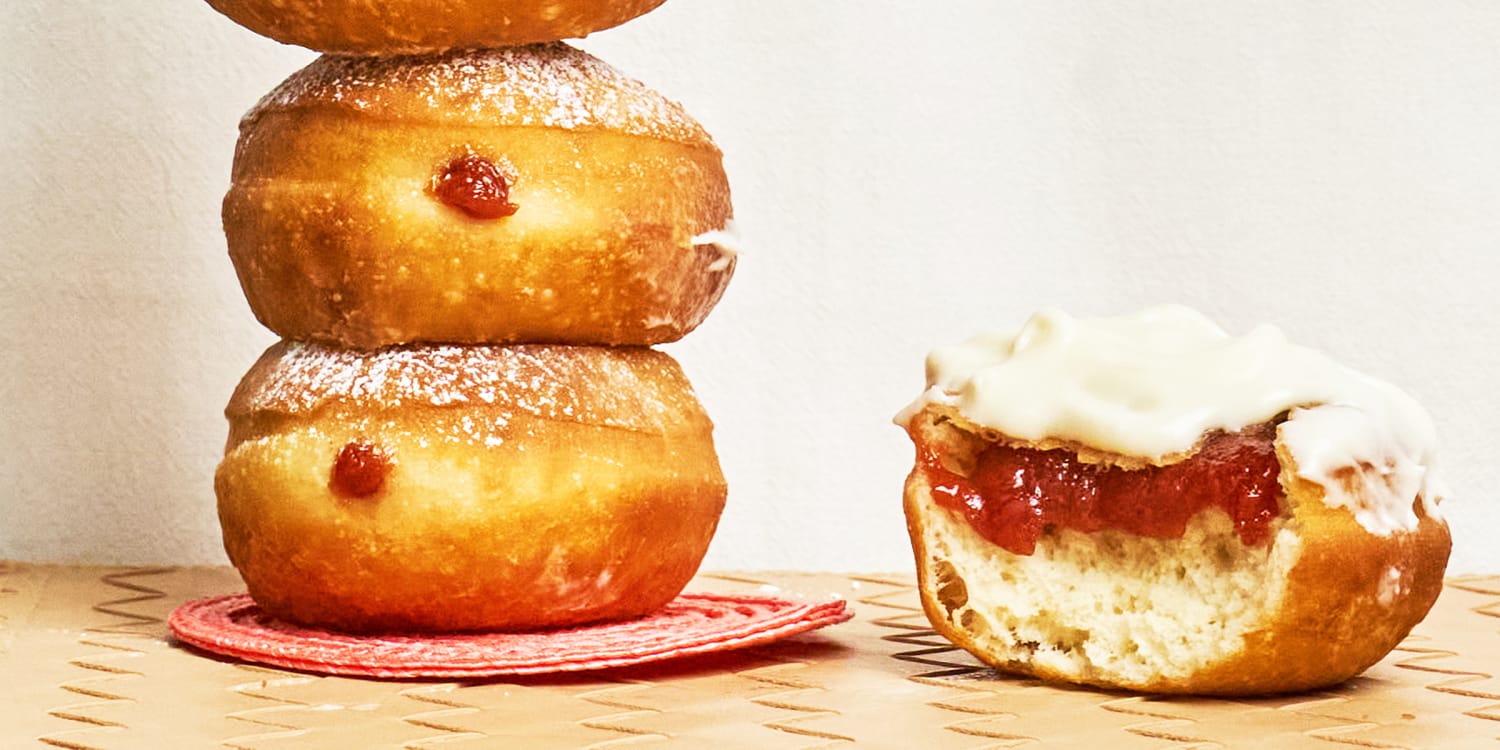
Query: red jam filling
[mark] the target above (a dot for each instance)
(359, 470)
(474, 185)
(1014, 495)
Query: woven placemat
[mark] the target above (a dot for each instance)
(690, 625)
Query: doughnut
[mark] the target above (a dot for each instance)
(1148, 503)
(518, 195)
(410, 26)
(465, 488)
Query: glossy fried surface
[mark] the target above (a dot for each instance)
(393, 26)
(339, 232)
(526, 487)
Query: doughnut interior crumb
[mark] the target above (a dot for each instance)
(1110, 607)
(1318, 602)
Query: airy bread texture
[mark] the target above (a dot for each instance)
(1203, 614)
(528, 486)
(396, 26)
(338, 234)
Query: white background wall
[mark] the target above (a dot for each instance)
(907, 173)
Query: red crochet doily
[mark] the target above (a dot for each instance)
(691, 624)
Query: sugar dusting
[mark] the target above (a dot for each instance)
(629, 388)
(544, 85)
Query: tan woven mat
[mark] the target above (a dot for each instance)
(85, 662)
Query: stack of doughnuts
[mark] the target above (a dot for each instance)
(469, 235)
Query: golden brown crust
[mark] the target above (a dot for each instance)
(337, 235)
(589, 497)
(930, 586)
(1350, 598)
(394, 26)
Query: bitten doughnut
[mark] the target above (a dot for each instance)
(397, 26)
(518, 195)
(1149, 503)
(455, 488)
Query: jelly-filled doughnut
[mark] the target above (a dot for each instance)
(1149, 503)
(461, 488)
(397, 26)
(519, 195)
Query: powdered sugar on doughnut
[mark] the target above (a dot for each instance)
(545, 85)
(614, 387)
(1152, 384)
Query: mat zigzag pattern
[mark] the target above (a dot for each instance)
(626, 711)
(89, 666)
(8, 599)
(440, 714)
(106, 660)
(262, 717)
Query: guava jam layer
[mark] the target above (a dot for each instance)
(1015, 495)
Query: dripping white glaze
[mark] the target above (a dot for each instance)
(726, 240)
(1152, 383)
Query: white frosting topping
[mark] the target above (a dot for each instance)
(1151, 384)
(727, 239)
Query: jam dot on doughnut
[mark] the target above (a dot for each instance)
(476, 186)
(360, 469)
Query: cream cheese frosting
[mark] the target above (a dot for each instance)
(1152, 383)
